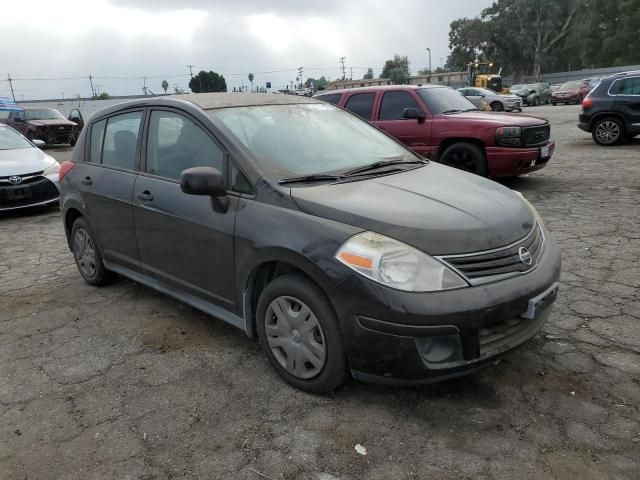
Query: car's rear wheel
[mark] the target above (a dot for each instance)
(608, 131)
(300, 334)
(497, 106)
(86, 254)
(465, 156)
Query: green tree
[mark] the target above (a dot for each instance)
(251, 77)
(164, 85)
(368, 75)
(396, 69)
(102, 96)
(316, 84)
(207, 82)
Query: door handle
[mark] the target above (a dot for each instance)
(86, 181)
(145, 196)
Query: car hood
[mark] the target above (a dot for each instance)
(437, 209)
(23, 160)
(497, 118)
(55, 123)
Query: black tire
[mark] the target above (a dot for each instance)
(72, 142)
(98, 275)
(497, 106)
(554, 103)
(333, 371)
(608, 131)
(465, 156)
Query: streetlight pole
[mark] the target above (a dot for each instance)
(430, 72)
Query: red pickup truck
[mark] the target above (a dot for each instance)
(440, 123)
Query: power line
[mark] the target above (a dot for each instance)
(11, 85)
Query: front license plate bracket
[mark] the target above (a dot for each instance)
(540, 302)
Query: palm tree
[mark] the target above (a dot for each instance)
(251, 77)
(165, 85)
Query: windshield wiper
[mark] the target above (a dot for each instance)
(380, 164)
(309, 178)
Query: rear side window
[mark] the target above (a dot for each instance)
(121, 140)
(626, 86)
(177, 143)
(97, 134)
(332, 98)
(394, 103)
(361, 104)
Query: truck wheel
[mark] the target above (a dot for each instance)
(465, 156)
(608, 131)
(300, 334)
(497, 106)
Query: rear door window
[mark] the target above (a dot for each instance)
(121, 141)
(626, 86)
(394, 103)
(361, 104)
(332, 98)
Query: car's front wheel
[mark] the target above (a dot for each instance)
(608, 131)
(465, 156)
(86, 254)
(300, 334)
(497, 106)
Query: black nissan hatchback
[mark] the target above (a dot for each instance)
(344, 252)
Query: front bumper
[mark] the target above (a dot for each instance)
(398, 337)
(513, 161)
(565, 99)
(40, 190)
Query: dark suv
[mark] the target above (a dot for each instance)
(303, 225)
(438, 122)
(611, 111)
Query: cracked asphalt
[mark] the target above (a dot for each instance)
(122, 382)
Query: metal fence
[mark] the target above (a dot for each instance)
(561, 77)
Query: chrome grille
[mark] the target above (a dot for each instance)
(26, 178)
(534, 136)
(493, 265)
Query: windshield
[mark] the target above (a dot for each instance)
(12, 140)
(571, 85)
(444, 99)
(44, 114)
(308, 139)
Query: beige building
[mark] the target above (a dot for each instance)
(455, 79)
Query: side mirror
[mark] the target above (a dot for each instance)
(38, 143)
(203, 181)
(413, 113)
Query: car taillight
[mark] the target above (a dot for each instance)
(65, 168)
(586, 103)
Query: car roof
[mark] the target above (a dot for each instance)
(375, 88)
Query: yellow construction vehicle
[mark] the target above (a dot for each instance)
(480, 74)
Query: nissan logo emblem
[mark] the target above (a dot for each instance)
(15, 180)
(525, 256)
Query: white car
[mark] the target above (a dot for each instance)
(486, 99)
(28, 176)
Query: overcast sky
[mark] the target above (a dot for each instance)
(158, 38)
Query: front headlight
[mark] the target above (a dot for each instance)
(54, 168)
(396, 264)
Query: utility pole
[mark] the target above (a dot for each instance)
(190, 72)
(93, 92)
(430, 71)
(62, 96)
(351, 77)
(344, 73)
(11, 85)
(300, 72)
(98, 89)
(144, 85)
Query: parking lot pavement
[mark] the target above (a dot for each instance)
(122, 382)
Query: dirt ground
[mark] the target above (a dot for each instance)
(122, 382)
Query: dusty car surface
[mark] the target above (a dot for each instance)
(46, 124)
(482, 97)
(533, 93)
(28, 176)
(343, 251)
(440, 123)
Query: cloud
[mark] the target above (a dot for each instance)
(158, 38)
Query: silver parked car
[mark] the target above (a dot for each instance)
(28, 176)
(533, 93)
(485, 99)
